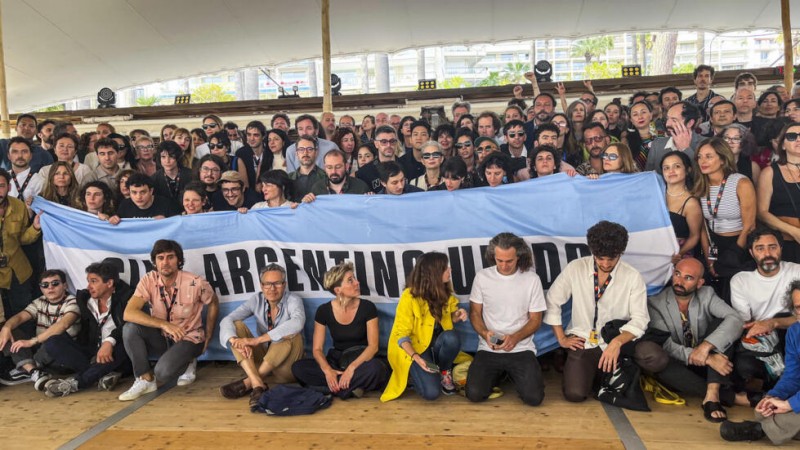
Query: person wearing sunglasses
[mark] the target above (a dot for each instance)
(386, 146)
(266, 357)
(515, 146)
(211, 124)
(55, 315)
(778, 198)
(465, 149)
(617, 158)
(484, 146)
(432, 158)
(220, 144)
(98, 354)
(171, 179)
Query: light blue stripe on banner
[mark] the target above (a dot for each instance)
(551, 206)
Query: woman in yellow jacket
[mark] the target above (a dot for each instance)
(423, 344)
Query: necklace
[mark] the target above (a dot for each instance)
(679, 194)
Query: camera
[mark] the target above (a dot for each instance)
(3, 260)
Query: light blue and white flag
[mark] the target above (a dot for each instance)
(382, 235)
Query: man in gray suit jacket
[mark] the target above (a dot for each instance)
(702, 328)
(681, 119)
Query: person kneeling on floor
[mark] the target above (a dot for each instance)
(267, 358)
(98, 355)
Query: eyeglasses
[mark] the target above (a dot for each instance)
(213, 146)
(791, 137)
(488, 148)
(209, 125)
(305, 149)
(560, 124)
(386, 141)
(513, 135)
(273, 284)
(145, 147)
(231, 190)
(209, 169)
(596, 139)
(47, 284)
(588, 100)
(434, 155)
(463, 144)
(610, 156)
(732, 139)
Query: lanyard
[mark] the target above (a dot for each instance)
(716, 204)
(20, 190)
(102, 322)
(598, 294)
(270, 323)
(168, 303)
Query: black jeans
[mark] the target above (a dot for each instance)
(522, 368)
(80, 359)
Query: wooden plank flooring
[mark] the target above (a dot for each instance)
(198, 417)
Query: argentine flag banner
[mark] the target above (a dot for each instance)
(382, 235)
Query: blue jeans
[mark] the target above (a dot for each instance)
(442, 351)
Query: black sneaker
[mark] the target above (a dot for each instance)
(741, 431)
(16, 376)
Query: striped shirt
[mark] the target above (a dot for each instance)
(729, 214)
(46, 314)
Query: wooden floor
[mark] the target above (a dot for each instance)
(198, 417)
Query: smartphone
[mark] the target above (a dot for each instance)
(495, 340)
(431, 366)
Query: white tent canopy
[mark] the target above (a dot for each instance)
(57, 50)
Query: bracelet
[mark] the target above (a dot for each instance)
(414, 354)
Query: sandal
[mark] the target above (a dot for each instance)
(711, 407)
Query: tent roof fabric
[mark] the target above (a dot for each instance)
(58, 50)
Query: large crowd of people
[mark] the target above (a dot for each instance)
(725, 329)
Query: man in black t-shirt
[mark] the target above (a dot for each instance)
(232, 194)
(143, 202)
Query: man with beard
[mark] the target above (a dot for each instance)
(703, 79)
(603, 289)
(386, 144)
(702, 328)
(681, 120)
(209, 171)
(308, 173)
(758, 298)
(173, 331)
(254, 158)
(595, 140)
(339, 181)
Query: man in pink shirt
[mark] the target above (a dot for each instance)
(174, 328)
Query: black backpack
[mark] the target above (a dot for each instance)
(285, 400)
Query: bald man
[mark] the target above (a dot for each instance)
(701, 330)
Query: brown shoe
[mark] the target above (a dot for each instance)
(255, 396)
(234, 390)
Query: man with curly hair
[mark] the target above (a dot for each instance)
(603, 289)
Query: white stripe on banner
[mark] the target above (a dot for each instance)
(229, 248)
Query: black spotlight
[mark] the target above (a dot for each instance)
(106, 99)
(336, 84)
(543, 71)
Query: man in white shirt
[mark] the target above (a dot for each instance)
(506, 306)
(25, 185)
(603, 288)
(758, 297)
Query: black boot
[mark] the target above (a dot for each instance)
(741, 431)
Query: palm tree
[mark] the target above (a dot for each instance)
(592, 47)
(515, 72)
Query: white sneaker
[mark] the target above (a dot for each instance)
(189, 375)
(140, 387)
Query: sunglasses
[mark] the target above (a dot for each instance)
(596, 139)
(610, 156)
(463, 144)
(513, 135)
(213, 146)
(209, 125)
(488, 148)
(791, 137)
(47, 284)
(588, 100)
(386, 141)
(434, 155)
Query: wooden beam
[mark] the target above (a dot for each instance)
(327, 101)
(6, 130)
(788, 63)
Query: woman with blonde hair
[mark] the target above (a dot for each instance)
(423, 344)
(350, 366)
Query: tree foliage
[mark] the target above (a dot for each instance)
(454, 83)
(211, 93)
(592, 47)
(153, 100)
(515, 72)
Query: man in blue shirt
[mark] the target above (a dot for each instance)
(268, 356)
